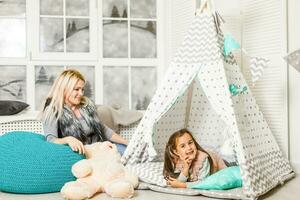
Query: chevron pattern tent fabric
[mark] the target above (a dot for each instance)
(200, 43)
(263, 159)
(263, 172)
(151, 173)
(195, 95)
(257, 67)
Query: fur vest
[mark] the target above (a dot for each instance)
(69, 125)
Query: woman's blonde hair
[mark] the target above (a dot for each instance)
(53, 105)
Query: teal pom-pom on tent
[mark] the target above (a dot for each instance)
(230, 44)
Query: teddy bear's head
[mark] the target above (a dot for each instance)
(101, 171)
(100, 149)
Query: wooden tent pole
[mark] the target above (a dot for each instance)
(202, 5)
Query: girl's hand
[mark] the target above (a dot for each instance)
(187, 161)
(75, 144)
(173, 182)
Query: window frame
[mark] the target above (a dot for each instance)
(35, 54)
(95, 58)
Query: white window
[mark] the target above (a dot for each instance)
(130, 41)
(12, 28)
(13, 50)
(64, 30)
(116, 44)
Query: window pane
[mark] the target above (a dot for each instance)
(115, 85)
(89, 74)
(78, 35)
(115, 39)
(77, 7)
(143, 39)
(12, 8)
(13, 83)
(51, 7)
(12, 38)
(115, 8)
(143, 80)
(51, 35)
(143, 8)
(44, 78)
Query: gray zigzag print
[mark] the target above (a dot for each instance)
(200, 44)
(261, 176)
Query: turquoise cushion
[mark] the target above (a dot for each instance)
(29, 164)
(224, 179)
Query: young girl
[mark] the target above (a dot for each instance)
(186, 163)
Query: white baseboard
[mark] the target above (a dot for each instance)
(296, 167)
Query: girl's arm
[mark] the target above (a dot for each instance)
(184, 174)
(203, 173)
(180, 182)
(173, 182)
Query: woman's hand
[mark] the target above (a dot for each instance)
(118, 139)
(173, 182)
(74, 143)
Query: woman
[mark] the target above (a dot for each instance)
(71, 118)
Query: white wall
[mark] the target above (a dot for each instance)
(294, 83)
(228, 7)
(179, 16)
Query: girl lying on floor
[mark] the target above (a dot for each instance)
(186, 163)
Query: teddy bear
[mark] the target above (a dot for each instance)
(101, 171)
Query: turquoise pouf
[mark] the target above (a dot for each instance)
(30, 165)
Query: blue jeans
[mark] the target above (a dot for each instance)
(121, 148)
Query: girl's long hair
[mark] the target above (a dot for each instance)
(170, 156)
(52, 106)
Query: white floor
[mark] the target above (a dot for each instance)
(289, 191)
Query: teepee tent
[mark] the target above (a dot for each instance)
(195, 95)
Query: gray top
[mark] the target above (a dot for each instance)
(203, 172)
(50, 129)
